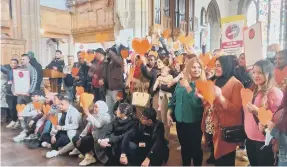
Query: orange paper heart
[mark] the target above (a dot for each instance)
(166, 33)
(79, 90)
(125, 53)
(181, 39)
(86, 100)
(206, 89)
(54, 119)
(89, 57)
(189, 41)
(141, 46)
(205, 59)
(211, 63)
(37, 105)
(246, 96)
(264, 115)
(75, 71)
(46, 108)
(20, 107)
(179, 59)
(280, 75)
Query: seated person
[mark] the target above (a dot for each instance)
(98, 117)
(68, 123)
(125, 120)
(28, 114)
(120, 99)
(145, 144)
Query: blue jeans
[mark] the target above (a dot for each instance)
(282, 163)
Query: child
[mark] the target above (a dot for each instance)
(163, 80)
(120, 99)
(28, 114)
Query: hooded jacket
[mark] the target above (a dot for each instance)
(39, 69)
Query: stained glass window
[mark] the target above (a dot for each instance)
(269, 13)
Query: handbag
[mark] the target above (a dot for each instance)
(233, 134)
(140, 99)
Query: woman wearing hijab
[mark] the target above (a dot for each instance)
(98, 117)
(225, 111)
(278, 127)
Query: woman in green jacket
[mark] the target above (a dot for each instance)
(188, 109)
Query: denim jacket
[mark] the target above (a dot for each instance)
(282, 142)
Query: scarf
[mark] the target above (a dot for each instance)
(103, 109)
(228, 68)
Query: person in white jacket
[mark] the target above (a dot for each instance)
(68, 123)
(25, 117)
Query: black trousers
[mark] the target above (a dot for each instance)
(62, 139)
(226, 160)
(99, 94)
(136, 155)
(258, 157)
(190, 135)
(12, 102)
(87, 144)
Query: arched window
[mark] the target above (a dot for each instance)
(270, 14)
(191, 3)
(179, 12)
(157, 10)
(166, 8)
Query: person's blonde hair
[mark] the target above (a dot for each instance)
(188, 66)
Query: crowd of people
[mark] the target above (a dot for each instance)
(115, 131)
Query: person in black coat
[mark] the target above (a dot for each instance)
(57, 64)
(116, 130)
(38, 68)
(145, 144)
(81, 79)
(241, 72)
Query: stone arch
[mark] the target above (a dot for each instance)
(243, 7)
(213, 15)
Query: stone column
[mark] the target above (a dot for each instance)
(30, 12)
(16, 19)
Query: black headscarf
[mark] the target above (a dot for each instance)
(228, 65)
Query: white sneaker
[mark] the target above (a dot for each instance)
(19, 138)
(74, 152)
(89, 159)
(46, 145)
(11, 124)
(31, 137)
(16, 126)
(52, 154)
(81, 156)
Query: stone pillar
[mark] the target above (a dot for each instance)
(16, 19)
(30, 12)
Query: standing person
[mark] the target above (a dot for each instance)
(5, 114)
(241, 73)
(265, 95)
(57, 64)
(188, 110)
(95, 72)
(149, 71)
(278, 127)
(145, 144)
(112, 76)
(281, 65)
(81, 78)
(38, 68)
(25, 62)
(226, 111)
(10, 98)
(68, 78)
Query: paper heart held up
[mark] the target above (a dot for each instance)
(264, 115)
(37, 105)
(125, 53)
(141, 46)
(46, 108)
(246, 96)
(166, 33)
(20, 107)
(86, 99)
(54, 119)
(79, 90)
(206, 89)
(75, 71)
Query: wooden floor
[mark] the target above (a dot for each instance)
(16, 154)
